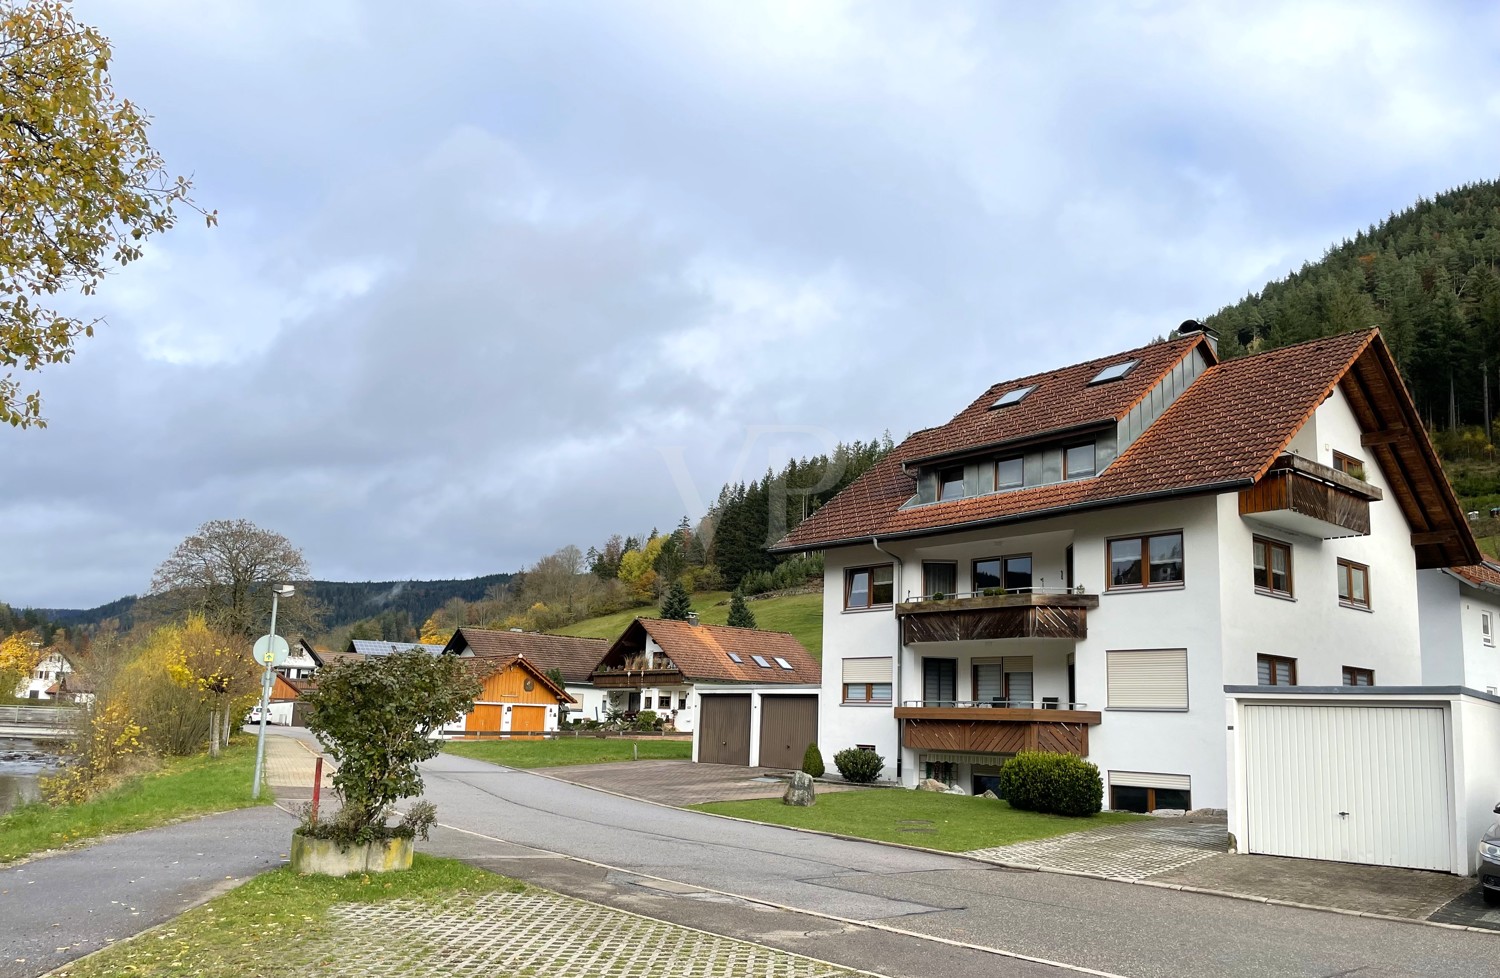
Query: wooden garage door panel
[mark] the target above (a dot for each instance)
(527, 718)
(724, 726)
(484, 718)
(787, 725)
(1364, 784)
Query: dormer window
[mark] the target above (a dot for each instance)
(1010, 473)
(1078, 461)
(951, 483)
(1113, 372)
(1014, 396)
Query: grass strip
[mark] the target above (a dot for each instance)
(182, 786)
(950, 823)
(569, 750)
(276, 923)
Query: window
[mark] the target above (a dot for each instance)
(939, 577)
(951, 483)
(783, 663)
(1078, 461)
(735, 658)
(867, 680)
(682, 701)
(1487, 627)
(1012, 574)
(1010, 473)
(1150, 561)
(1275, 670)
(1354, 585)
(1355, 676)
(939, 682)
(1147, 679)
(1114, 372)
(1273, 567)
(760, 660)
(1014, 396)
(868, 587)
(1128, 794)
(1349, 465)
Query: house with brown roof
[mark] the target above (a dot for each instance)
(667, 666)
(573, 657)
(516, 697)
(1201, 575)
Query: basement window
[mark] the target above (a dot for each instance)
(1014, 396)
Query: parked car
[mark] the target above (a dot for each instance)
(1489, 863)
(253, 717)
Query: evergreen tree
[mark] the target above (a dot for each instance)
(740, 616)
(677, 605)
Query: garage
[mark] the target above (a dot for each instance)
(1361, 783)
(527, 719)
(724, 730)
(787, 725)
(485, 718)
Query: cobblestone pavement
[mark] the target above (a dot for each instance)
(1468, 910)
(683, 783)
(290, 764)
(1132, 851)
(534, 933)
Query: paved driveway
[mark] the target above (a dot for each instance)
(683, 783)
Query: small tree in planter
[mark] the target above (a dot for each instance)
(377, 717)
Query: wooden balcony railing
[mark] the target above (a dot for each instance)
(996, 614)
(979, 728)
(1310, 498)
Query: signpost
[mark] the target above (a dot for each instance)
(270, 650)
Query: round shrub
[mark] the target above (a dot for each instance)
(858, 765)
(1058, 784)
(812, 761)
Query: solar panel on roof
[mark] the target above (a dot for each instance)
(1014, 396)
(783, 663)
(760, 660)
(1114, 371)
(734, 657)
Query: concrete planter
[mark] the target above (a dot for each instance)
(323, 857)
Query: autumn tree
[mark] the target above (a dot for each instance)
(213, 665)
(225, 571)
(80, 192)
(19, 654)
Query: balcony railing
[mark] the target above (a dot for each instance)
(992, 592)
(996, 613)
(987, 728)
(1045, 703)
(1310, 498)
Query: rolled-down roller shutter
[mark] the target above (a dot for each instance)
(1139, 779)
(1148, 679)
(867, 670)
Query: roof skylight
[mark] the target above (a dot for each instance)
(783, 663)
(760, 660)
(1014, 396)
(1114, 371)
(735, 658)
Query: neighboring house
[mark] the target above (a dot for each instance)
(573, 657)
(359, 646)
(50, 672)
(72, 687)
(667, 666)
(301, 663)
(1460, 617)
(1202, 576)
(517, 697)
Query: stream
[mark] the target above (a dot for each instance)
(22, 762)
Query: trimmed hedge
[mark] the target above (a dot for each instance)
(812, 762)
(858, 766)
(1058, 784)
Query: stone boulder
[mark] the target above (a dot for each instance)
(954, 789)
(932, 784)
(799, 791)
(990, 795)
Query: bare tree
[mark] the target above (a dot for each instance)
(225, 570)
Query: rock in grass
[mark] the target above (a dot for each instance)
(799, 791)
(932, 784)
(990, 795)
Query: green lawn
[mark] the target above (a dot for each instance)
(183, 786)
(956, 823)
(569, 750)
(272, 924)
(799, 614)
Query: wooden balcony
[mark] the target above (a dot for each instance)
(996, 730)
(1309, 498)
(636, 678)
(976, 617)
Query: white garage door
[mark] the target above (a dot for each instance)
(1360, 784)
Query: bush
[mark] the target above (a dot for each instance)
(1058, 784)
(812, 761)
(647, 720)
(858, 765)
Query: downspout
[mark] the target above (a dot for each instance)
(900, 647)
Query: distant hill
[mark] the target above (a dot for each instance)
(799, 614)
(347, 602)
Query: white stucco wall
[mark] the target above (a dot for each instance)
(1441, 628)
(858, 634)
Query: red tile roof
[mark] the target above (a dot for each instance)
(1225, 430)
(1485, 575)
(574, 657)
(701, 652)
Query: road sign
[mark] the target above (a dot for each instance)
(271, 650)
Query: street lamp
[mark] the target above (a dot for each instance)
(268, 651)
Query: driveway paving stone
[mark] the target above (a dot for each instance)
(683, 783)
(1468, 910)
(1132, 851)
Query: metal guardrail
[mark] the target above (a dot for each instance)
(44, 716)
(1045, 704)
(993, 592)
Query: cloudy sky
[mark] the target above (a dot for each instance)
(493, 277)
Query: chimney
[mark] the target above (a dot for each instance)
(1190, 326)
(692, 618)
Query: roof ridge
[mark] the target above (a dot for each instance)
(1189, 340)
(704, 624)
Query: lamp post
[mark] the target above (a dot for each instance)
(268, 658)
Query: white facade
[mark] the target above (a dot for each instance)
(48, 672)
(1460, 621)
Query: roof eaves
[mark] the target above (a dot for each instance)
(1021, 442)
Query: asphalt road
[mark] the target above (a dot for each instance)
(1116, 928)
(58, 908)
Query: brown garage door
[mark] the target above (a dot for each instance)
(485, 718)
(724, 730)
(787, 725)
(525, 719)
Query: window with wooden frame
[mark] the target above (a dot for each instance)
(1273, 566)
(1139, 798)
(951, 483)
(1487, 628)
(1275, 670)
(1354, 585)
(1349, 465)
(1145, 561)
(1355, 676)
(867, 681)
(1078, 461)
(939, 577)
(869, 587)
(1010, 473)
(1011, 574)
(870, 693)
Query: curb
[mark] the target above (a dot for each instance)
(1180, 887)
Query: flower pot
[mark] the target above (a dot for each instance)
(324, 857)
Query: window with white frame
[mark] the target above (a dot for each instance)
(1147, 679)
(1487, 627)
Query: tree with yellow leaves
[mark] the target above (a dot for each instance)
(214, 664)
(19, 654)
(81, 189)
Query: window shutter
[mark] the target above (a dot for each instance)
(1151, 679)
(1138, 779)
(867, 670)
